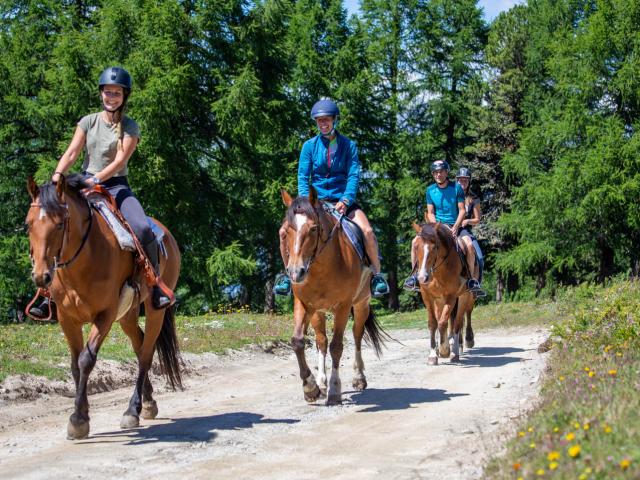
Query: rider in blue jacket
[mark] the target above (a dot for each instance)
(329, 162)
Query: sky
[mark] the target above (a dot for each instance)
(491, 7)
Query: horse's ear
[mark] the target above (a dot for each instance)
(313, 195)
(61, 186)
(32, 188)
(286, 198)
(416, 227)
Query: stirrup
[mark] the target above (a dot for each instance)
(377, 281)
(282, 285)
(411, 284)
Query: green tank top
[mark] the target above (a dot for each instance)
(101, 145)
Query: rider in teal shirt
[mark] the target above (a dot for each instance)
(445, 204)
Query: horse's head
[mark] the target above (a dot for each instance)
(304, 231)
(46, 224)
(432, 241)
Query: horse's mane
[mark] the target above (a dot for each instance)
(49, 196)
(301, 205)
(430, 231)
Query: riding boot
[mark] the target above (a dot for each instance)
(42, 310)
(158, 298)
(411, 284)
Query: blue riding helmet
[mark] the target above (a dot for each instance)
(324, 108)
(115, 76)
(440, 165)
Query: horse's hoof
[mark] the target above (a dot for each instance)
(129, 421)
(149, 410)
(323, 391)
(469, 343)
(77, 430)
(455, 359)
(334, 400)
(359, 383)
(432, 360)
(313, 395)
(444, 353)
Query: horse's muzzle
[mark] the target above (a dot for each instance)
(42, 280)
(298, 274)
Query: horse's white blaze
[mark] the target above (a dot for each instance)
(309, 384)
(322, 369)
(43, 213)
(422, 274)
(300, 221)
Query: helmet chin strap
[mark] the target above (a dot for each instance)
(332, 132)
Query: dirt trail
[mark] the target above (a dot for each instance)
(244, 417)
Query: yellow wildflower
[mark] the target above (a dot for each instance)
(586, 426)
(574, 451)
(586, 369)
(576, 425)
(583, 476)
(570, 436)
(613, 372)
(530, 429)
(532, 445)
(553, 465)
(592, 373)
(607, 348)
(607, 428)
(588, 470)
(556, 429)
(618, 354)
(521, 434)
(551, 456)
(540, 472)
(625, 463)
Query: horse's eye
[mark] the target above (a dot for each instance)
(314, 228)
(60, 225)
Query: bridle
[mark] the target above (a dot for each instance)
(65, 235)
(318, 249)
(435, 260)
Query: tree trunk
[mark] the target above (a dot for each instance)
(499, 287)
(269, 297)
(541, 279)
(606, 261)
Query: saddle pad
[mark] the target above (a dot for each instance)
(125, 239)
(352, 232)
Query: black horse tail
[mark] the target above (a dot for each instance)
(374, 334)
(168, 349)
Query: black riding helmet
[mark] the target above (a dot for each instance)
(440, 165)
(115, 76)
(464, 173)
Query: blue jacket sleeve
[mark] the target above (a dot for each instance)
(353, 175)
(305, 165)
(427, 197)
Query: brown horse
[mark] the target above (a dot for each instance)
(327, 276)
(443, 288)
(76, 256)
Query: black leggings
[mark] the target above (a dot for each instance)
(130, 208)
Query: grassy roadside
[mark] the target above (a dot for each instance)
(40, 349)
(587, 424)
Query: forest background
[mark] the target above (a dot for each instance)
(542, 104)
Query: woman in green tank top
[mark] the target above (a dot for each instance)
(108, 139)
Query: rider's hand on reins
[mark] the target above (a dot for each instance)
(341, 208)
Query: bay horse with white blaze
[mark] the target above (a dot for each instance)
(443, 288)
(327, 276)
(76, 256)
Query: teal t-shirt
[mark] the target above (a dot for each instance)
(445, 201)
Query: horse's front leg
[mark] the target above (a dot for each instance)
(443, 324)
(319, 324)
(360, 315)
(432, 321)
(78, 427)
(341, 315)
(300, 320)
